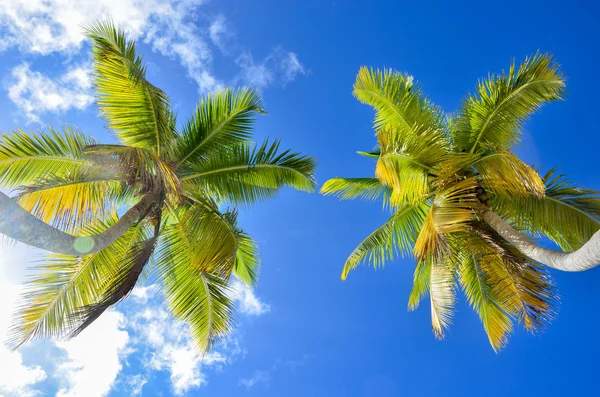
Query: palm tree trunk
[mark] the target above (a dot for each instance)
(585, 258)
(18, 224)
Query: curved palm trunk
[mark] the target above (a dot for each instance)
(585, 258)
(18, 224)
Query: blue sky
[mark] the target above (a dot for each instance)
(303, 332)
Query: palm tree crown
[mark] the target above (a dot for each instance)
(442, 176)
(179, 184)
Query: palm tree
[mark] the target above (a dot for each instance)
(177, 183)
(464, 205)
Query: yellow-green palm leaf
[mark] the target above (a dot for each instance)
(26, 158)
(137, 111)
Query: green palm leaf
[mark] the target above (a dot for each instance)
(421, 282)
(492, 119)
(195, 295)
(247, 262)
(369, 189)
(400, 104)
(244, 175)
(137, 111)
(27, 158)
(408, 179)
(223, 118)
(396, 236)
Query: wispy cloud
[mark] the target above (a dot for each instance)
(136, 384)
(177, 29)
(259, 377)
(248, 302)
(48, 26)
(278, 67)
(291, 67)
(220, 33)
(263, 376)
(35, 93)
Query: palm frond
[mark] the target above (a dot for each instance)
(408, 180)
(369, 189)
(63, 284)
(421, 282)
(504, 173)
(212, 237)
(430, 244)
(407, 162)
(396, 236)
(374, 154)
(411, 131)
(454, 205)
(247, 261)
(223, 118)
(120, 286)
(73, 200)
(442, 288)
(138, 112)
(524, 289)
(399, 103)
(566, 214)
(26, 158)
(492, 118)
(245, 175)
(484, 298)
(451, 212)
(195, 296)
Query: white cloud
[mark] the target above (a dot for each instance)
(16, 378)
(258, 75)
(291, 67)
(46, 26)
(248, 302)
(35, 93)
(94, 358)
(220, 33)
(170, 27)
(142, 293)
(173, 33)
(136, 384)
(169, 348)
(278, 67)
